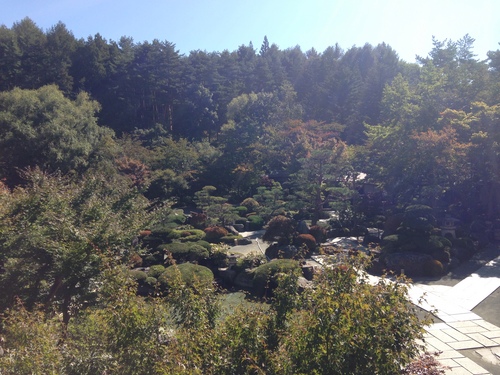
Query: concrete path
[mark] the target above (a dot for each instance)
(461, 329)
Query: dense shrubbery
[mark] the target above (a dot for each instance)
(264, 280)
(189, 274)
(255, 222)
(185, 251)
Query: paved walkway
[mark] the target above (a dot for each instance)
(460, 328)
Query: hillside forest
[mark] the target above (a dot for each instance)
(127, 170)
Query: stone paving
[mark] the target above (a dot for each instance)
(460, 328)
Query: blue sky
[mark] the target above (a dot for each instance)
(216, 25)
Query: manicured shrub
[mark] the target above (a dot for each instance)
(189, 273)
(186, 235)
(251, 204)
(176, 217)
(241, 210)
(280, 229)
(241, 220)
(204, 244)
(138, 275)
(305, 239)
(264, 275)
(156, 270)
(214, 234)
(434, 268)
(231, 239)
(151, 281)
(185, 251)
(255, 222)
(318, 232)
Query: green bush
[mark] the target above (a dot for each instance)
(185, 251)
(204, 244)
(176, 217)
(218, 255)
(241, 220)
(189, 272)
(241, 210)
(215, 233)
(256, 222)
(151, 281)
(251, 204)
(264, 275)
(156, 270)
(251, 260)
(138, 275)
(187, 235)
(230, 240)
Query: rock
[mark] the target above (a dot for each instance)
(413, 264)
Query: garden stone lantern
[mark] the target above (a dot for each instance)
(449, 226)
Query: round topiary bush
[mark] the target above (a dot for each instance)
(138, 275)
(231, 240)
(318, 232)
(264, 276)
(185, 251)
(306, 240)
(214, 234)
(151, 281)
(251, 204)
(189, 273)
(434, 268)
(156, 270)
(187, 235)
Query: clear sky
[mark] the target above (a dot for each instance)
(215, 25)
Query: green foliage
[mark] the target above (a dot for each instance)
(251, 204)
(186, 235)
(264, 276)
(191, 295)
(156, 270)
(138, 275)
(190, 274)
(69, 226)
(344, 308)
(30, 345)
(43, 128)
(185, 251)
(231, 239)
(256, 222)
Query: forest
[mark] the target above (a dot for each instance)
(126, 169)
